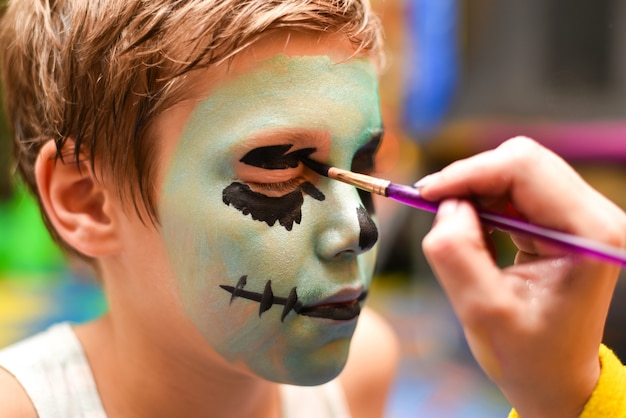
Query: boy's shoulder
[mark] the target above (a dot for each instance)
(372, 365)
(14, 402)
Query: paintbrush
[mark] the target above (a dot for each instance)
(411, 196)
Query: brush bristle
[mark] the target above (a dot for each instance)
(319, 168)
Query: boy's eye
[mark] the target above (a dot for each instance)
(364, 160)
(277, 188)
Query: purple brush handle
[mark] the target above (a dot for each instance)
(411, 197)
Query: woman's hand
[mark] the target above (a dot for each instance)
(535, 327)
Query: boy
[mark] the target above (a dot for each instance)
(163, 141)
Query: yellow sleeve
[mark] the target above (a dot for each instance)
(608, 399)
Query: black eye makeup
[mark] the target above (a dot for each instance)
(280, 198)
(278, 168)
(276, 189)
(276, 157)
(364, 160)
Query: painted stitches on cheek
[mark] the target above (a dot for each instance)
(286, 209)
(343, 311)
(266, 299)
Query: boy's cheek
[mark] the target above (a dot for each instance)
(367, 264)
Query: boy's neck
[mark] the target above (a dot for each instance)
(139, 379)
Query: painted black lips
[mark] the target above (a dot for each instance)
(337, 311)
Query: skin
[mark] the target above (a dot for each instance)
(535, 327)
(230, 232)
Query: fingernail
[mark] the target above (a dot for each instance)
(448, 207)
(424, 181)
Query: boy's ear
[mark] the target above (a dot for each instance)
(78, 207)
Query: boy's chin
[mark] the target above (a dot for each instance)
(314, 378)
(311, 369)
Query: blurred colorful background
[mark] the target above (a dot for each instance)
(462, 76)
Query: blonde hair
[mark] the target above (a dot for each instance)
(98, 72)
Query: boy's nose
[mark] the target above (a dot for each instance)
(346, 228)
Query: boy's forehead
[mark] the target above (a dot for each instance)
(336, 47)
(303, 92)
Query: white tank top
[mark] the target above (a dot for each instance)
(53, 369)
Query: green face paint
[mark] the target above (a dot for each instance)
(224, 258)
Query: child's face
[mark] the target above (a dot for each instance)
(272, 262)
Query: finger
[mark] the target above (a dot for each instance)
(541, 186)
(460, 258)
(523, 257)
(496, 204)
(524, 243)
(491, 173)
